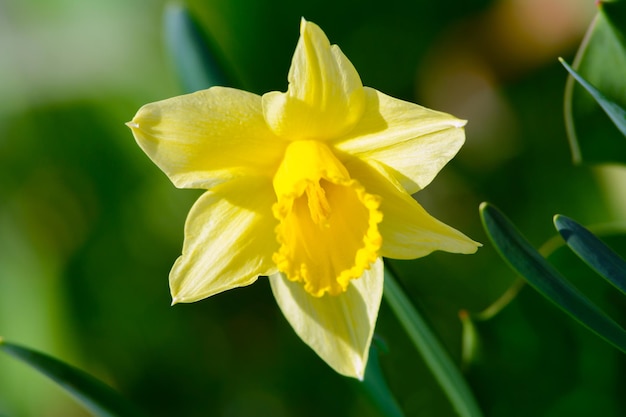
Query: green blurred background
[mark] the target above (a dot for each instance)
(89, 228)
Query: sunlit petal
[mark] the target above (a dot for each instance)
(229, 240)
(408, 231)
(414, 141)
(325, 97)
(202, 139)
(338, 328)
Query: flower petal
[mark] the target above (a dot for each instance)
(408, 231)
(202, 139)
(229, 240)
(414, 141)
(338, 328)
(325, 97)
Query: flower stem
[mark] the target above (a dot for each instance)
(436, 358)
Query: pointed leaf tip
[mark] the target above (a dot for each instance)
(616, 113)
(593, 251)
(601, 60)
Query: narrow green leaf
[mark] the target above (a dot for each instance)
(542, 276)
(435, 356)
(375, 385)
(195, 60)
(601, 61)
(593, 251)
(612, 109)
(94, 395)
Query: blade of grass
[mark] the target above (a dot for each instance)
(593, 251)
(435, 356)
(94, 395)
(542, 276)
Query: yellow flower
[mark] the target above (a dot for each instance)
(310, 187)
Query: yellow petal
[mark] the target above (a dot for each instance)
(412, 140)
(229, 240)
(408, 231)
(202, 139)
(328, 224)
(338, 328)
(325, 96)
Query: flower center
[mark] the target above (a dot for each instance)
(318, 203)
(328, 223)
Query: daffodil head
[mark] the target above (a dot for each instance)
(310, 187)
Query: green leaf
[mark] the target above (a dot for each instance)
(375, 385)
(613, 110)
(542, 276)
(195, 60)
(435, 356)
(601, 61)
(615, 12)
(98, 398)
(593, 251)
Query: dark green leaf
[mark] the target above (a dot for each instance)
(593, 251)
(375, 385)
(613, 110)
(601, 61)
(194, 58)
(98, 398)
(542, 276)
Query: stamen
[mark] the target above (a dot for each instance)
(318, 204)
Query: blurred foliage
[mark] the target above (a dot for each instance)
(197, 62)
(89, 228)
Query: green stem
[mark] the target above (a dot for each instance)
(504, 300)
(436, 358)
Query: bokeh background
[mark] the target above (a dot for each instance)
(89, 228)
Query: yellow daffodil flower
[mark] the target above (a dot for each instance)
(310, 187)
